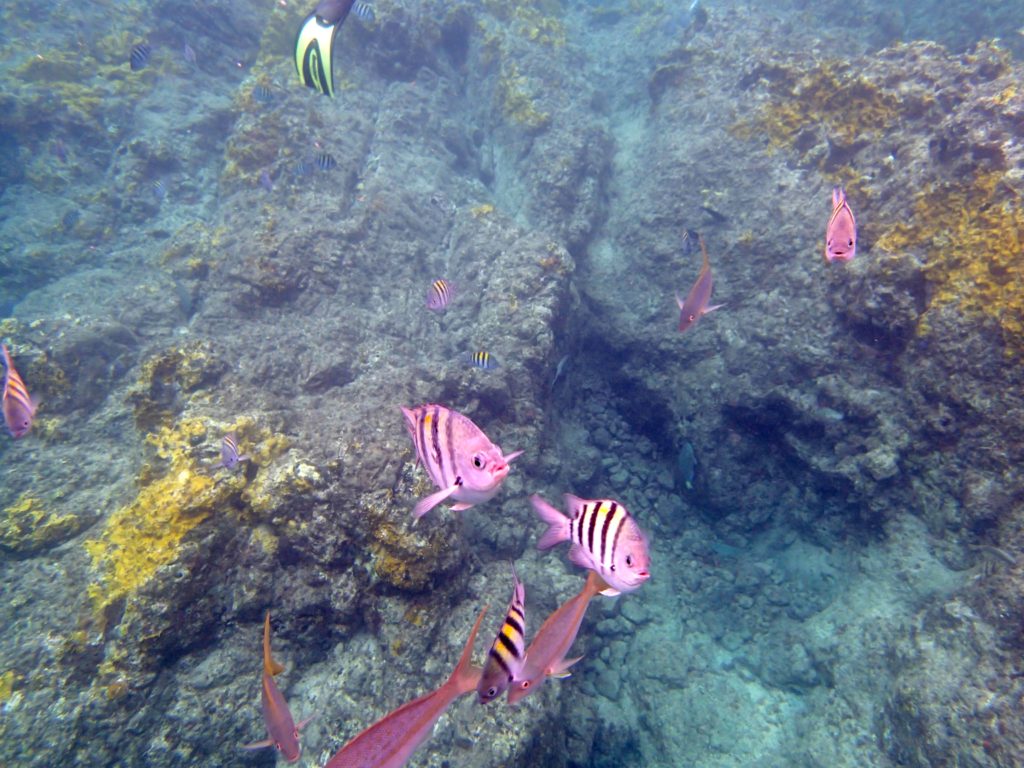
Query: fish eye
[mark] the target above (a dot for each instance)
(477, 462)
(525, 684)
(850, 243)
(629, 560)
(492, 692)
(692, 318)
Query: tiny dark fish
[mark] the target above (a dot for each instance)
(59, 150)
(364, 11)
(139, 56)
(261, 94)
(440, 295)
(159, 190)
(189, 54)
(266, 182)
(716, 216)
(690, 242)
(325, 161)
(483, 360)
(229, 458)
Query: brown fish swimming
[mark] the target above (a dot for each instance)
(695, 306)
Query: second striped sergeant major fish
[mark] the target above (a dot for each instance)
(139, 55)
(440, 295)
(229, 457)
(458, 456)
(546, 656)
(508, 652)
(604, 538)
(390, 742)
(282, 731)
(18, 406)
(483, 360)
(695, 306)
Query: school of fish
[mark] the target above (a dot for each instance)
(468, 469)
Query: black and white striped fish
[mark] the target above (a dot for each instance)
(440, 295)
(507, 654)
(604, 538)
(229, 458)
(139, 56)
(364, 11)
(457, 455)
(483, 360)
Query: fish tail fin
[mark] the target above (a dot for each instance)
(270, 666)
(558, 524)
(465, 677)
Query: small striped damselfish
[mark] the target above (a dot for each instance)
(458, 456)
(139, 56)
(604, 538)
(483, 360)
(440, 295)
(18, 407)
(508, 652)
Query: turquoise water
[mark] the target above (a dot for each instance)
(825, 467)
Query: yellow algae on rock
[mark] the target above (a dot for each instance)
(971, 234)
(146, 534)
(28, 526)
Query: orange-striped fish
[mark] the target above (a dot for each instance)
(19, 408)
(841, 232)
(281, 728)
(507, 654)
(604, 538)
(229, 457)
(695, 306)
(440, 295)
(390, 742)
(457, 455)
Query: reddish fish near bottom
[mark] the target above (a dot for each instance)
(695, 306)
(390, 742)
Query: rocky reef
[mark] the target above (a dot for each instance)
(837, 570)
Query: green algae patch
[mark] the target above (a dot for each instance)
(972, 233)
(8, 681)
(28, 526)
(146, 534)
(518, 104)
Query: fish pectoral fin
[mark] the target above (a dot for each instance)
(679, 300)
(610, 592)
(259, 744)
(426, 504)
(460, 507)
(578, 556)
(561, 669)
(303, 723)
(709, 310)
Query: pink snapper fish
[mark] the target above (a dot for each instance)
(457, 455)
(696, 304)
(390, 742)
(546, 655)
(841, 231)
(283, 732)
(18, 407)
(605, 538)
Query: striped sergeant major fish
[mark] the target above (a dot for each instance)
(457, 455)
(281, 728)
(314, 45)
(483, 360)
(139, 55)
(229, 458)
(390, 742)
(604, 538)
(440, 295)
(696, 304)
(19, 408)
(841, 230)
(546, 656)
(507, 654)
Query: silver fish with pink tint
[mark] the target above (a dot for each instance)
(440, 295)
(841, 230)
(458, 456)
(229, 457)
(18, 407)
(695, 306)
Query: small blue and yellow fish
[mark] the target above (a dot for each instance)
(508, 652)
(18, 407)
(440, 295)
(229, 458)
(139, 56)
(841, 231)
(483, 360)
